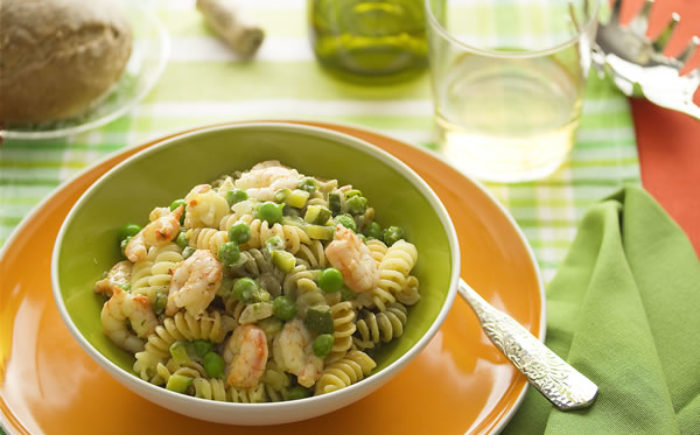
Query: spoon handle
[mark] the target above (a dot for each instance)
(559, 382)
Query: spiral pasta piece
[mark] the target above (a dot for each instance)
(165, 260)
(292, 237)
(409, 293)
(373, 328)
(216, 389)
(393, 271)
(247, 395)
(243, 211)
(299, 276)
(377, 250)
(233, 308)
(343, 328)
(312, 255)
(400, 257)
(276, 381)
(256, 262)
(163, 373)
(352, 368)
(140, 276)
(206, 238)
(181, 327)
(212, 389)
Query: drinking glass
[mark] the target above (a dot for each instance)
(507, 79)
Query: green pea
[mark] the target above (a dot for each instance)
(229, 253)
(128, 230)
(347, 221)
(236, 195)
(308, 184)
(181, 240)
(187, 252)
(297, 392)
(373, 231)
(177, 203)
(323, 344)
(393, 234)
(357, 204)
(202, 347)
(243, 289)
(123, 243)
(330, 280)
(214, 364)
(270, 212)
(284, 308)
(239, 233)
(281, 195)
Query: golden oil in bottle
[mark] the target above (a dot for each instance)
(375, 41)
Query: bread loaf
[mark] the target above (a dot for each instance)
(57, 56)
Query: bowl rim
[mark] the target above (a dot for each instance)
(346, 140)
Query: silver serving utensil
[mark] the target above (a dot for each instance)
(558, 381)
(638, 66)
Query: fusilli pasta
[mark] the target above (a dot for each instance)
(232, 314)
(354, 367)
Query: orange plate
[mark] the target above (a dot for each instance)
(459, 383)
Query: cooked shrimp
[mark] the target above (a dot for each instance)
(157, 233)
(246, 355)
(127, 319)
(353, 258)
(119, 276)
(157, 213)
(205, 207)
(266, 178)
(194, 283)
(292, 350)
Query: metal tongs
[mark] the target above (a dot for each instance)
(638, 66)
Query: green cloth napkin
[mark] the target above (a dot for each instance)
(624, 309)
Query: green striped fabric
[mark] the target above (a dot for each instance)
(204, 83)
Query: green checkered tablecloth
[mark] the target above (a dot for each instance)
(204, 83)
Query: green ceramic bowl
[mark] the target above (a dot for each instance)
(87, 244)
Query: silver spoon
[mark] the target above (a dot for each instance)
(558, 381)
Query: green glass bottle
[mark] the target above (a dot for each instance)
(376, 41)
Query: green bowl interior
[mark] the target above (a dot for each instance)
(130, 192)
